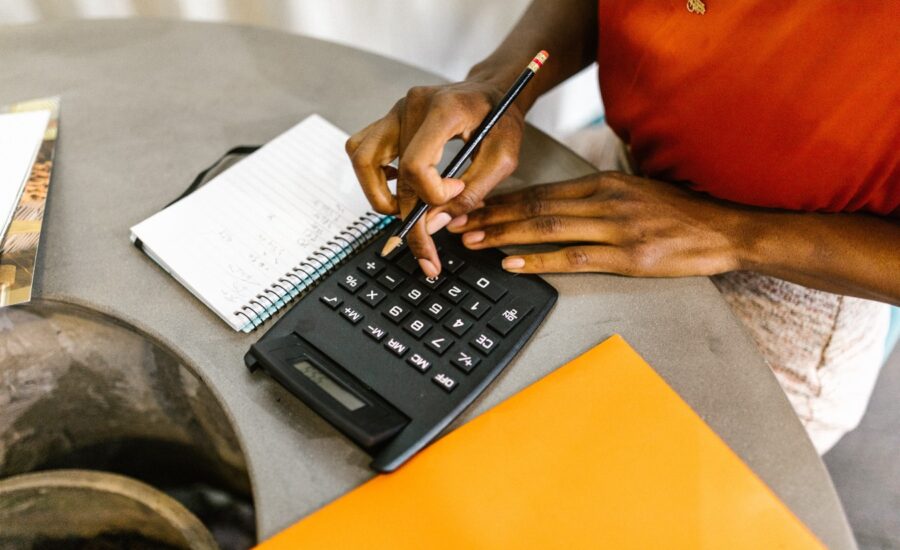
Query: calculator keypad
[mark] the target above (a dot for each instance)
(424, 321)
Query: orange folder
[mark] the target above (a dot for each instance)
(601, 453)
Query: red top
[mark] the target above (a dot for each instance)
(772, 103)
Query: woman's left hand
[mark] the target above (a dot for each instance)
(611, 223)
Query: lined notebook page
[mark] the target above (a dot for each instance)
(238, 234)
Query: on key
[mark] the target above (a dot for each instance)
(507, 318)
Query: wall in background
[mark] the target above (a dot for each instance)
(443, 37)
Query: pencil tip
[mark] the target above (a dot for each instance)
(391, 244)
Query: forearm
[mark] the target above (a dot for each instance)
(565, 28)
(851, 254)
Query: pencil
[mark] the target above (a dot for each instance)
(396, 240)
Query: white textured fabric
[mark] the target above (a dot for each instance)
(826, 350)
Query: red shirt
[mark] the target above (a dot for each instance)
(774, 103)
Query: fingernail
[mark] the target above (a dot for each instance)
(428, 268)
(473, 237)
(460, 185)
(437, 222)
(458, 222)
(513, 263)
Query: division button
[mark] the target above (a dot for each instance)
(331, 300)
(465, 361)
(475, 306)
(445, 382)
(439, 342)
(420, 363)
(352, 314)
(395, 346)
(483, 284)
(371, 267)
(509, 317)
(396, 312)
(484, 343)
(375, 332)
(372, 296)
(351, 282)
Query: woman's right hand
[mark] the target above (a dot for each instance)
(415, 131)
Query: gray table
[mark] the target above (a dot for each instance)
(147, 104)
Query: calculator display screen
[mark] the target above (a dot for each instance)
(322, 380)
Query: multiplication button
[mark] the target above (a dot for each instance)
(372, 296)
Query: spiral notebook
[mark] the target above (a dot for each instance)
(267, 229)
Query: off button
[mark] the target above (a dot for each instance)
(445, 382)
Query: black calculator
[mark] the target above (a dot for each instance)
(389, 356)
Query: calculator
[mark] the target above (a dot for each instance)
(389, 356)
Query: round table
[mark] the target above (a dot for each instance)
(147, 104)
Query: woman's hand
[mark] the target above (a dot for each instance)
(612, 223)
(415, 131)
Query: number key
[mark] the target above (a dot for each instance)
(484, 285)
(455, 293)
(475, 306)
(439, 342)
(415, 295)
(436, 309)
(396, 312)
(417, 327)
(458, 325)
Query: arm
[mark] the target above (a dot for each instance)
(638, 227)
(419, 125)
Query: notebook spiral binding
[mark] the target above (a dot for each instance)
(307, 273)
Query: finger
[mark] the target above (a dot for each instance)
(572, 189)
(510, 212)
(420, 157)
(496, 160)
(371, 153)
(545, 229)
(598, 259)
(418, 240)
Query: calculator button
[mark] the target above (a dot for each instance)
(475, 306)
(395, 346)
(433, 282)
(451, 263)
(417, 327)
(465, 361)
(352, 282)
(484, 343)
(445, 382)
(458, 325)
(375, 332)
(420, 363)
(436, 309)
(439, 342)
(509, 317)
(454, 293)
(483, 284)
(373, 296)
(408, 263)
(396, 312)
(332, 301)
(415, 295)
(390, 280)
(352, 314)
(371, 267)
